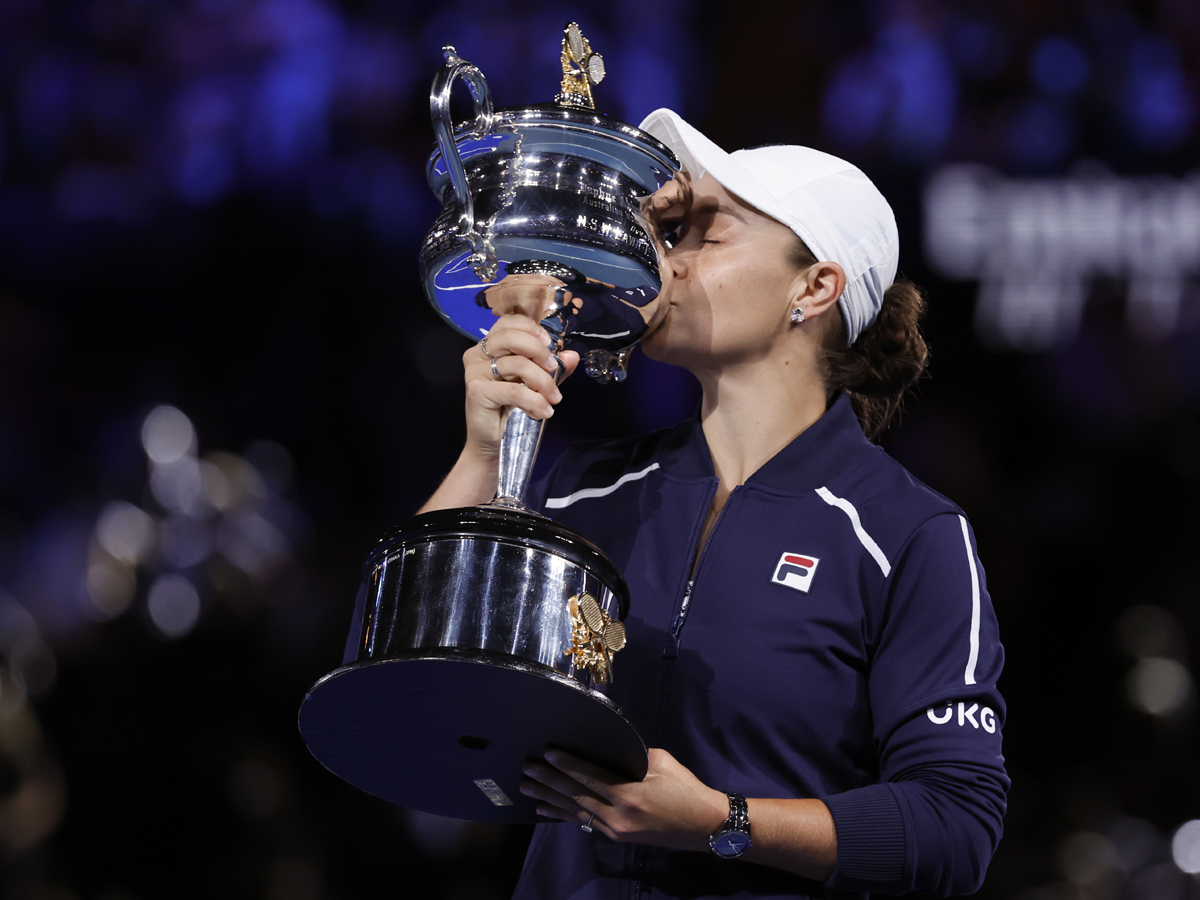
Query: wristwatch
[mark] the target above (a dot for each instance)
(732, 839)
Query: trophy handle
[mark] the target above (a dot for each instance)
(483, 259)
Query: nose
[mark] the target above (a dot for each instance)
(676, 261)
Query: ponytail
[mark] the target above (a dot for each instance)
(886, 360)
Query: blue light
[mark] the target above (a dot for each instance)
(1059, 67)
(46, 97)
(204, 174)
(288, 121)
(1040, 135)
(926, 91)
(979, 48)
(1159, 108)
(645, 81)
(399, 205)
(855, 102)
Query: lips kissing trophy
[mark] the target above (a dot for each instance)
(489, 630)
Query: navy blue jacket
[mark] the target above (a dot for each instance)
(838, 642)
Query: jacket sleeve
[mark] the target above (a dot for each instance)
(934, 819)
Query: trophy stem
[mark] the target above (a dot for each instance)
(518, 450)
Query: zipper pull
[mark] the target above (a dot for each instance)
(671, 646)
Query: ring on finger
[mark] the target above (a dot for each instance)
(496, 372)
(588, 826)
(483, 347)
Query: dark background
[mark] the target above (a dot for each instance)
(216, 206)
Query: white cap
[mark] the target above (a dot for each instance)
(829, 203)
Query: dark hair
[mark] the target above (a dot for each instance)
(886, 359)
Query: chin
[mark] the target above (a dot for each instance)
(671, 353)
(656, 345)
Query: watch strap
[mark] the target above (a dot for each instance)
(738, 822)
(739, 814)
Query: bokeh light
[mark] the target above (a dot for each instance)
(1086, 858)
(178, 485)
(1159, 686)
(174, 605)
(126, 532)
(1059, 66)
(111, 585)
(1185, 847)
(168, 435)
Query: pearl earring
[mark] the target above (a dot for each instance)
(797, 315)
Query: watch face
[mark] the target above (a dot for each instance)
(731, 843)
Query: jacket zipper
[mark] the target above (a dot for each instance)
(671, 652)
(671, 647)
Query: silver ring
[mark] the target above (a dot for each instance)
(496, 372)
(483, 347)
(588, 826)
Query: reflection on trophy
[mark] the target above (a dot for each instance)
(490, 631)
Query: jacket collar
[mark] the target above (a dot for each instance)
(808, 462)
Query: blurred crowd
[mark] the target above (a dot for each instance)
(219, 384)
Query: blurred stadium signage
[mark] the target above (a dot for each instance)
(1035, 245)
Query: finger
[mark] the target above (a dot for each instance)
(591, 777)
(547, 795)
(514, 322)
(533, 344)
(553, 812)
(489, 394)
(566, 786)
(527, 372)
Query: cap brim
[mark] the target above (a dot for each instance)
(700, 156)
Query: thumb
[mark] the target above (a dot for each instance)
(570, 361)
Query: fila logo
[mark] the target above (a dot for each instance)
(987, 718)
(795, 571)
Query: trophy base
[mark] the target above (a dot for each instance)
(447, 731)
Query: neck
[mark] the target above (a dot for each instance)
(750, 412)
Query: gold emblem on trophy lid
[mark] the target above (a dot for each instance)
(582, 68)
(595, 637)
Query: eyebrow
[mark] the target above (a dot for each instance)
(713, 206)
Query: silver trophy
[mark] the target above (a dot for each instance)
(490, 632)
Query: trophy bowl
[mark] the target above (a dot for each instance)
(488, 633)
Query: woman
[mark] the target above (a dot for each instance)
(812, 652)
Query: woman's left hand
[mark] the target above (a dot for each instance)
(671, 807)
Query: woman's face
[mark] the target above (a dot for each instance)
(729, 286)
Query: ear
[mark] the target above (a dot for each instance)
(817, 288)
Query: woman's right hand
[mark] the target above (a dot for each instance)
(527, 370)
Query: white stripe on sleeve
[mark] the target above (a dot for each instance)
(865, 539)
(969, 675)
(587, 493)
